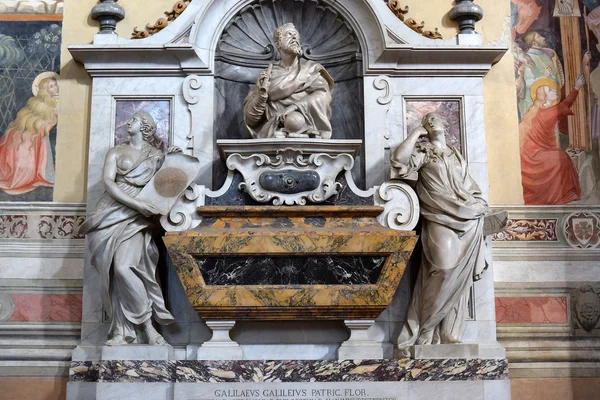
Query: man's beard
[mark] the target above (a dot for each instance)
(293, 48)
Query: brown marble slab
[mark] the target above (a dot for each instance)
(299, 232)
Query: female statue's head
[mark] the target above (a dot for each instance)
(435, 124)
(142, 122)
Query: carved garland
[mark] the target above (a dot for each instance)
(400, 12)
(162, 22)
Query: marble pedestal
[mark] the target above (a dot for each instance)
(220, 346)
(360, 346)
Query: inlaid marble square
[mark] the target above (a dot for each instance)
(449, 109)
(159, 110)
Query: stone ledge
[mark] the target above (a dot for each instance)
(404, 370)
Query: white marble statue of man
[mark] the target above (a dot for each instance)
(293, 98)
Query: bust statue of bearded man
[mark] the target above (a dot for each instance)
(291, 99)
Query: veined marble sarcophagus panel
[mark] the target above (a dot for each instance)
(266, 262)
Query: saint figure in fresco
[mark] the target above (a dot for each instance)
(542, 62)
(293, 98)
(26, 160)
(527, 12)
(548, 173)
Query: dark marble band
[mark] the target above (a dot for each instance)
(403, 370)
(313, 270)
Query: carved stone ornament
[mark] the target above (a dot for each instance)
(183, 215)
(401, 206)
(7, 307)
(283, 179)
(108, 13)
(585, 308)
(400, 12)
(162, 22)
(466, 14)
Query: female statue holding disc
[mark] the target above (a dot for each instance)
(120, 238)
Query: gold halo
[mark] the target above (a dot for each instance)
(35, 87)
(543, 82)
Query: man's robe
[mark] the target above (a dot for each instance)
(307, 85)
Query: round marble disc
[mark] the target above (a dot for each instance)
(169, 182)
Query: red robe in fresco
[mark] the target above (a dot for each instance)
(23, 164)
(548, 173)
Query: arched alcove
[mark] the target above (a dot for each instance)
(246, 47)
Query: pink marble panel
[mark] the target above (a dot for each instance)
(46, 307)
(531, 310)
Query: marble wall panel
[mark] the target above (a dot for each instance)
(555, 389)
(416, 110)
(33, 387)
(159, 110)
(531, 310)
(31, 307)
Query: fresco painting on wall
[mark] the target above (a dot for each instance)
(160, 110)
(30, 39)
(556, 54)
(416, 110)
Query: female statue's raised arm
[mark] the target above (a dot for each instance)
(403, 152)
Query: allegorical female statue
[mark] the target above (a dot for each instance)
(292, 99)
(452, 211)
(120, 238)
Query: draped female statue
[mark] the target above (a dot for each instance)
(452, 211)
(120, 238)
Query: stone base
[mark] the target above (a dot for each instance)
(460, 350)
(360, 346)
(121, 391)
(220, 346)
(298, 379)
(365, 351)
(203, 352)
(126, 352)
(472, 390)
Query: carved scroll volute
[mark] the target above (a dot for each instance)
(199, 97)
(401, 206)
(384, 84)
(184, 215)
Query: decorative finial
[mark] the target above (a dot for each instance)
(108, 13)
(466, 14)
